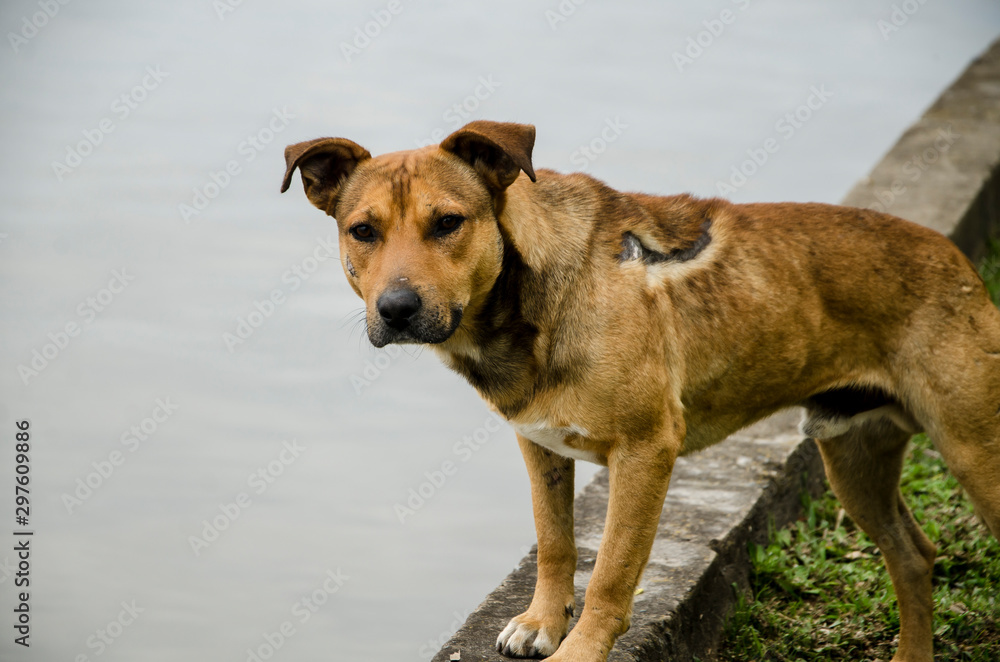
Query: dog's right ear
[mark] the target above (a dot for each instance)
(325, 164)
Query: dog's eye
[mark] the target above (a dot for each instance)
(447, 224)
(363, 232)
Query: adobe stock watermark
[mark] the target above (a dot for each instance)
(365, 34)
(785, 128)
(30, 25)
(87, 311)
(260, 480)
(561, 13)
(898, 18)
(220, 179)
(584, 155)
(293, 277)
(697, 44)
(225, 7)
(132, 439)
(375, 368)
(301, 612)
(105, 637)
(122, 107)
(430, 647)
(462, 451)
(915, 167)
(462, 111)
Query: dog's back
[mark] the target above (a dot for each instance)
(791, 300)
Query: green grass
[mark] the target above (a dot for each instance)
(990, 269)
(819, 589)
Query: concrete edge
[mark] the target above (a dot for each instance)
(944, 173)
(694, 628)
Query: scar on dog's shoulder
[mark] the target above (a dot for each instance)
(676, 229)
(634, 249)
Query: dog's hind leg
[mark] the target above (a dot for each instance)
(971, 449)
(863, 466)
(958, 384)
(968, 435)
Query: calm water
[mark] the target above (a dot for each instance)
(238, 472)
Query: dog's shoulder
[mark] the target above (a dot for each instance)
(574, 214)
(667, 229)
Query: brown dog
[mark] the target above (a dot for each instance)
(627, 329)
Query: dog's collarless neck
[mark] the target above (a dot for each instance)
(496, 355)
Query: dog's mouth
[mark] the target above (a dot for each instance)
(424, 326)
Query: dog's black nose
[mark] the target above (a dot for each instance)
(397, 307)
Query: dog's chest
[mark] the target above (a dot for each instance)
(556, 438)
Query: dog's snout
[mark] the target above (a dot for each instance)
(397, 307)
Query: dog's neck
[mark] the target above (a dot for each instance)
(524, 337)
(494, 347)
(499, 348)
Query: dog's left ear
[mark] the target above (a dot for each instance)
(498, 151)
(325, 164)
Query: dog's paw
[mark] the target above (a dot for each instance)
(525, 636)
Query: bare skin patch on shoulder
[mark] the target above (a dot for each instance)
(662, 263)
(638, 248)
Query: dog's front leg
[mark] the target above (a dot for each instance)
(639, 472)
(538, 631)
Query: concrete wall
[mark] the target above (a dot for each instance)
(944, 172)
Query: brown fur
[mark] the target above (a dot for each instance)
(629, 329)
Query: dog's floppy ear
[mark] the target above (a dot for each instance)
(498, 151)
(325, 164)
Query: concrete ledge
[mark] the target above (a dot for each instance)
(944, 172)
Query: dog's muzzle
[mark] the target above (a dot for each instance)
(403, 319)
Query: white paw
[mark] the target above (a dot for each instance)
(521, 638)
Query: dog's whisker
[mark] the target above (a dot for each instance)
(352, 317)
(361, 328)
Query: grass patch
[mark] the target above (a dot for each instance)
(821, 592)
(819, 589)
(990, 270)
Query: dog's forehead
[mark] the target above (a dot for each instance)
(397, 182)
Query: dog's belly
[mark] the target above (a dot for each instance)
(555, 439)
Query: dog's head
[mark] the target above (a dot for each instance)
(419, 237)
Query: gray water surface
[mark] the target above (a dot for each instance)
(302, 442)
